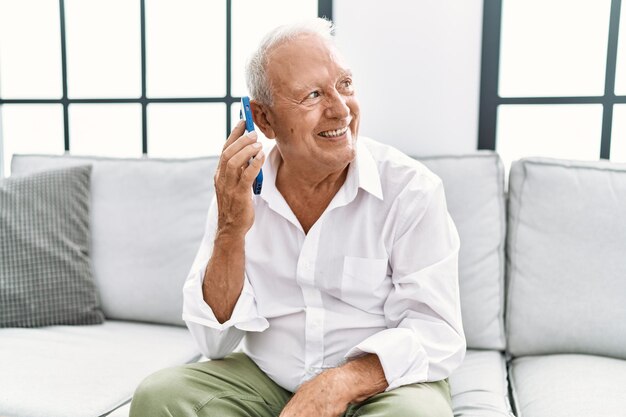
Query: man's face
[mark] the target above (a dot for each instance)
(315, 114)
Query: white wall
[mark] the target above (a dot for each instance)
(417, 70)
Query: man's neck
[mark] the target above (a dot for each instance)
(308, 193)
(295, 178)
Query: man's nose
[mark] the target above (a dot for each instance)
(337, 106)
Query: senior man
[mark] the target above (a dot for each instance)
(341, 277)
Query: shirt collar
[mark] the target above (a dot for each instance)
(367, 171)
(362, 173)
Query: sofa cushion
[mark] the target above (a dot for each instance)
(479, 386)
(566, 259)
(83, 371)
(45, 269)
(123, 411)
(474, 186)
(568, 386)
(147, 220)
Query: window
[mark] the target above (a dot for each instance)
(128, 77)
(553, 79)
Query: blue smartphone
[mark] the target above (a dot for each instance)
(246, 114)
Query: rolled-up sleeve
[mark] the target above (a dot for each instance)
(214, 339)
(424, 340)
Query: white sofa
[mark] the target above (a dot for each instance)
(557, 349)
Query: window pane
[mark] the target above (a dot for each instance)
(252, 19)
(618, 133)
(186, 130)
(105, 129)
(553, 48)
(186, 48)
(234, 119)
(103, 48)
(32, 26)
(21, 135)
(569, 131)
(620, 74)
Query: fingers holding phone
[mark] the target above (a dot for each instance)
(238, 167)
(246, 115)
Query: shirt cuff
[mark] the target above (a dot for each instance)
(244, 317)
(401, 355)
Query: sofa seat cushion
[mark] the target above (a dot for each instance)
(83, 371)
(479, 386)
(123, 411)
(474, 186)
(568, 386)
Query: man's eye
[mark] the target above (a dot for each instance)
(347, 83)
(314, 94)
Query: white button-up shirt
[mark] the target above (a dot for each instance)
(377, 273)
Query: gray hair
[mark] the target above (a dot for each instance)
(256, 68)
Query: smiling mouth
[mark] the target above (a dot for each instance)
(334, 133)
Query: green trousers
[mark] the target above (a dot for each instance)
(236, 387)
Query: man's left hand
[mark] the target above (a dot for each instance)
(323, 396)
(330, 393)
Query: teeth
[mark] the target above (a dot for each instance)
(334, 133)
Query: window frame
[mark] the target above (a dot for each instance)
(490, 72)
(325, 8)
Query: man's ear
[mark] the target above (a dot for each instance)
(262, 118)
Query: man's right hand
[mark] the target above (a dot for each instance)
(224, 274)
(233, 181)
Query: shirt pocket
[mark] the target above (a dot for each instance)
(365, 284)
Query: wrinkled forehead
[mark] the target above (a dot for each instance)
(303, 60)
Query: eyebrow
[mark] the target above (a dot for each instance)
(305, 88)
(302, 88)
(346, 72)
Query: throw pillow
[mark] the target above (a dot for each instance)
(45, 269)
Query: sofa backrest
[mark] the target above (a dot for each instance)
(474, 187)
(147, 220)
(566, 261)
(142, 247)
